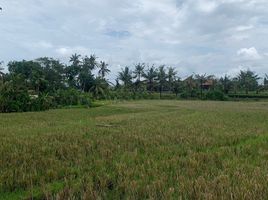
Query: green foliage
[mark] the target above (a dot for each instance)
(216, 95)
(14, 96)
(44, 81)
(71, 97)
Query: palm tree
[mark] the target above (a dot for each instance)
(226, 84)
(103, 71)
(75, 59)
(248, 80)
(177, 86)
(162, 78)
(125, 76)
(139, 70)
(73, 70)
(86, 76)
(89, 63)
(171, 77)
(266, 80)
(99, 87)
(201, 80)
(150, 78)
(1, 73)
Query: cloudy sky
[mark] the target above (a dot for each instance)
(201, 36)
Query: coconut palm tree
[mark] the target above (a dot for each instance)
(162, 78)
(171, 75)
(1, 73)
(150, 77)
(139, 70)
(125, 76)
(226, 84)
(248, 80)
(75, 59)
(99, 87)
(73, 70)
(103, 69)
(266, 81)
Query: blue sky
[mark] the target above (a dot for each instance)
(202, 36)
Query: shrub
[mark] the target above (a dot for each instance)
(14, 97)
(216, 95)
(71, 97)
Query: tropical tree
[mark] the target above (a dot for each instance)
(53, 73)
(31, 72)
(162, 79)
(1, 73)
(201, 80)
(150, 77)
(190, 85)
(139, 70)
(248, 80)
(266, 81)
(73, 70)
(235, 84)
(103, 69)
(126, 77)
(226, 84)
(177, 86)
(99, 88)
(86, 76)
(171, 75)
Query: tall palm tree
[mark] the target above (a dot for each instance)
(1, 73)
(177, 86)
(248, 80)
(226, 84)
(266, 80)
(75, 59)
(89, 63)
(103, 71)
(125, 76)
(73, 70)
(162, 78)
(139, 70)
(171, 77)
(150, 77)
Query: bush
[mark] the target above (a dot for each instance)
(40, 102)
(189, 94)
(16, 98)
(71, 97)
(216, 95)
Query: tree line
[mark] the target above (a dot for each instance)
(46, 83)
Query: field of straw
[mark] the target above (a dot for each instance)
(137, 150)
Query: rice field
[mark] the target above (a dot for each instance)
(137, 150)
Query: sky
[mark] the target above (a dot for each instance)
(194, 36)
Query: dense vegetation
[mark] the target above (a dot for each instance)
(47, 83)
(137, 150)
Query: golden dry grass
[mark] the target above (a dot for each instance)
(137, 150)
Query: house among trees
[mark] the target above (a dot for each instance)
(208, 84)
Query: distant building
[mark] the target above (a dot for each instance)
(208, 84)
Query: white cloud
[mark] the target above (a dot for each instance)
(206, 6)
(68, 51)
(176, 32)
(249, 53)
(244, 28)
